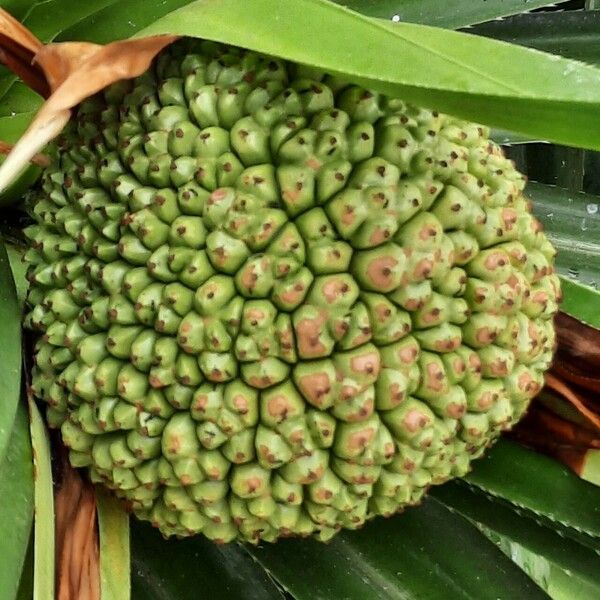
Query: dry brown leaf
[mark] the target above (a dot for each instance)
(98, 69)
(78, 573)
(562, 388)
(11, 28)
(573, 457)
(575, 381)
(58, 61)
(72, 71)
(41, 160)
(578, 344)
(554, 435)
(18, 47)
(558, 430)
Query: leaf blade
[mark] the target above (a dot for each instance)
(581, 302)
(225, 571)
(451, 13)
(559, 565)
(573, 34)
(539, 484)
(44, 537)
(419, 554)
(10, 351)
(16, 516)
(119, 21)
(47, 19)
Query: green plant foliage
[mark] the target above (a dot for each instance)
(18, 8)
(44, 546)
(19, 271)
(120, 20)
(182, 569)
(17, 107)
(427, 552)
(573, 34)
(545, 488)
(581, 302)
(10, 352)
(572, 222)
(63, 14)
(450, 13)
(561, 566)
(16, 513)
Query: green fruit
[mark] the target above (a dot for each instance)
(274, 305)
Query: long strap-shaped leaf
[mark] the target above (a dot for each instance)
(10, 351)
(16, 504)
(195, 568)
(571, 33)
(449, 13)
(43, 563)
(540, 485)
(427, 552)
(564, 568)
(483, 80)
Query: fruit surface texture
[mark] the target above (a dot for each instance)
(270, 303)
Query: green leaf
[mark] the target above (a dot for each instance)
(17, 8)
(561, 566)
(19, 99)
(186, 569)
(539, 484)
(25, 591)
(11, 127)
(427, 552)
(47, 19)
(466, 75)
(119, 21)
(573, 34)
(450, 13)
(16, 514)
(590, 467)
(113, 527)
(580, 302)
(10, 351)
(43, 553)
(572, 222)
(19, 270)
(14, 193)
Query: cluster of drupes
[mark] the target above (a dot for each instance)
(273, 303)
